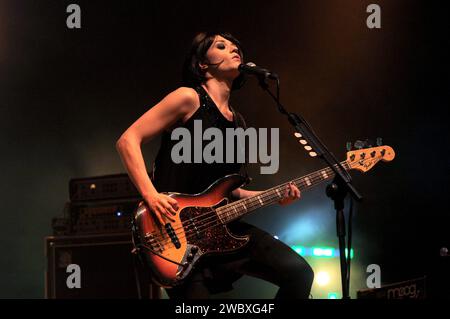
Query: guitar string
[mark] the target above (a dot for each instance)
(216, 222)
(212, 218)
(212, 215)
(254, 201)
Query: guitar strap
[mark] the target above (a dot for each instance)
(240, 122)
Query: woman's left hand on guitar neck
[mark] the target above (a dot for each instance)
(292, 194)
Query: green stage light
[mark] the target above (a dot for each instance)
(322, 251)
(351, 253)
(325, 252)
(299, 250)
(337, 253)
(332, 295)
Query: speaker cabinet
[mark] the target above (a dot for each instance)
(97, 266)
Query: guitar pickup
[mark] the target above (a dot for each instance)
(173, 236)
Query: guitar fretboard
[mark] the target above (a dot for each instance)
(241, 207)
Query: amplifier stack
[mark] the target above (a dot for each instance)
(98, 205)
(94, 234)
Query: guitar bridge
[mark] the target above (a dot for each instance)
(154, 244)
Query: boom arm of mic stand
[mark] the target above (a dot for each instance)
(337, 190)
(302, 126)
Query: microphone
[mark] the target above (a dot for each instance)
(252, 69)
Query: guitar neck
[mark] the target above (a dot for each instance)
(239, 208)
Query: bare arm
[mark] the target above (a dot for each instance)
(292, 193)
(244, 193)
(174, 107)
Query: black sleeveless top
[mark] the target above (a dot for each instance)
(193, 178)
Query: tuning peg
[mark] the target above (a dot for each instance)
(348, 146)
(379, 141)
(359, 144)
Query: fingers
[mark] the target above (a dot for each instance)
(157, 213)
(168, 209)
(161, 213)
(171, 207)
(295, 191)
(288, 190)
(173, 203)
(292, 191)
(164, 208)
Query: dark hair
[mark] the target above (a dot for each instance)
(192, 74)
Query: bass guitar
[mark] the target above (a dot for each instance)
(200, 228)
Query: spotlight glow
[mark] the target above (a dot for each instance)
(322, 278)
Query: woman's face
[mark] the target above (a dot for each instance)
(223, 58)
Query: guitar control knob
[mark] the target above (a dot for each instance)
(194, 249)
(190, 257)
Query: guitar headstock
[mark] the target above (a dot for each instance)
(363, 159)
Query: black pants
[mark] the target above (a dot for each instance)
(263, 257)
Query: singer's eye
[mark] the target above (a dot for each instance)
(221, 46)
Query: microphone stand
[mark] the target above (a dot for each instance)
(337, 190)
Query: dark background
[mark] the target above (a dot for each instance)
(67, 95)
